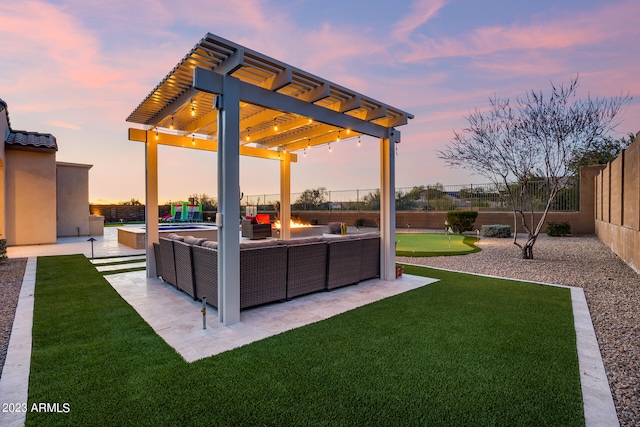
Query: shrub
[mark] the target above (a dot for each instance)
(461, 221)
(496, 230)
(360, 222)
(558, 228)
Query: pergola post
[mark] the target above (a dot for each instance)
(151, 202)
(388, 206)
(228, 104)
(285, 195)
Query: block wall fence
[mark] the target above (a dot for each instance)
(617, 205)
(582, 222)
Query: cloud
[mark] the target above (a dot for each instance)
(63, 125)
(557, 33)
(421, 12)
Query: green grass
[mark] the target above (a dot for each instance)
(466, 350)
(425, 244)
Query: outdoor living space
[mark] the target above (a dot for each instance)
(252, 319)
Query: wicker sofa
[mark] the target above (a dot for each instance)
(270, 270)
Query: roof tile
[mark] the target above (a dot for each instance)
(32, 139)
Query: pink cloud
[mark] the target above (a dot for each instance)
(63, 125)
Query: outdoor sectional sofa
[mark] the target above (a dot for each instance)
(270, 270)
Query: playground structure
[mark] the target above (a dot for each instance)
(184, 212)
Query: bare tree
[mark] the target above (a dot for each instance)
(538, 137)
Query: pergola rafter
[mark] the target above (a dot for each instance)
(224, 97)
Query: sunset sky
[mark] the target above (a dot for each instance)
(78, 68)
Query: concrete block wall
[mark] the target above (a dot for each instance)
(582, 222)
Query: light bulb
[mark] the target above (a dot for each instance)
(171, 126)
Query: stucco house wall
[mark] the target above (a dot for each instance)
(72, 190)
(4, 132)
(30, 197)
(39, 198)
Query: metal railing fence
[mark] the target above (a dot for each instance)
(481, 197)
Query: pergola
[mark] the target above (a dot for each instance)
(224, 97)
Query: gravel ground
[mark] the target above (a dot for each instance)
(611, 287)
(11, 272)
(612, 290)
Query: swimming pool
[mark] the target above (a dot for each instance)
(134, 236)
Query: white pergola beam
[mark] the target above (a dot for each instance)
(278, 81)
(350, 104)
(151, 203)
(376, 113)
(232, 63)
(209, 81)
(320, 92)
(229, 203)
(141, 135)
(285, 196)
(288, 138)
(388, 206)
(173, 107)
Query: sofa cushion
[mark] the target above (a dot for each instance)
(263, 219)
(196, 241)
(301, 241)
(368, 235)
(259, 244)
(174, 236)
(209, 244)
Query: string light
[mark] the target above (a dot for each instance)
(348, 131)
(329, 147)
(157, 134)
(275, 125)
(304, 153)
(359, 142)
(193, 109)
(193, 140)
(338, 140)
(248, 134)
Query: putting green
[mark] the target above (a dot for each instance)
(421, 245)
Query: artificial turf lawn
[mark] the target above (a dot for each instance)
(466, 350)
(429, 244)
